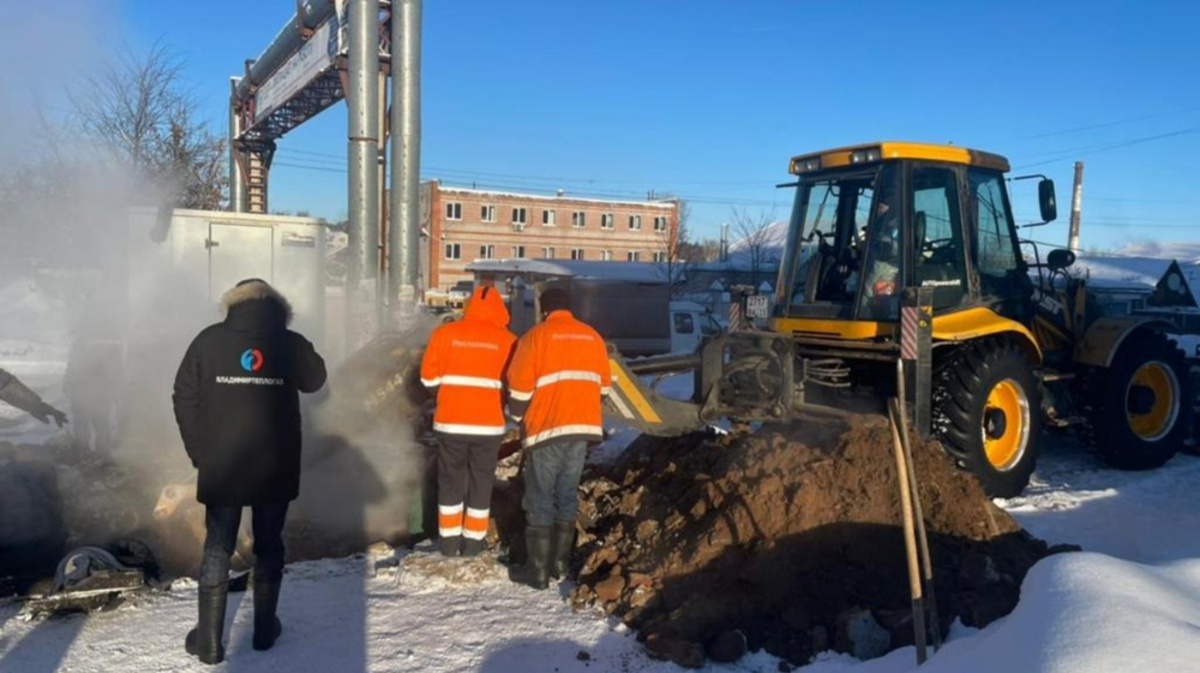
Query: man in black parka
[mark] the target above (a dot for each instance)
(237, 405)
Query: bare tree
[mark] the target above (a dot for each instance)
(672, 256)
(755, 240)
(140, 111)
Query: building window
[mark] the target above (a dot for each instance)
(660, 224)
(576, 253)
(606, 221)
(487, 252)
(547, 253)
(518, 216)
(579, 219)
(519, 251)
(487, 213)
(634, 256)
(635, 222)
(660, 257)
(606, 255)
(549, 218)
(453, 210)
(453, 251)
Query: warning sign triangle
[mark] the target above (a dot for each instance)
(1172, 289)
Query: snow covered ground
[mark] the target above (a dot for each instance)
(1131, 604)
(428, 614)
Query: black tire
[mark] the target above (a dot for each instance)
(967, 423)
(1124, 438)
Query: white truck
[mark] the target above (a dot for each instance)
(628, 303)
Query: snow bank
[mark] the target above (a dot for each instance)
(1079, 613)
(1090, 612)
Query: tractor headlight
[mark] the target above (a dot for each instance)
(806, 165)
(865, 156)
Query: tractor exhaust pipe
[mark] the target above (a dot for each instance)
(1076, 208)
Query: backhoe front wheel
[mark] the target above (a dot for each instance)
(1139, 406)
(988, 415)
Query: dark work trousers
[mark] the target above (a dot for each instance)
(222, 524)
(552, 474)
(466, 472)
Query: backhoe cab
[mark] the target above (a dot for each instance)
(998, 345)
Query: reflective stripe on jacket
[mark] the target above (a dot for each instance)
(464, 365)
(558, 375)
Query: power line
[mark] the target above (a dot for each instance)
(1105, 148)
(1104, 125)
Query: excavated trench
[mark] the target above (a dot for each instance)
(787, 540)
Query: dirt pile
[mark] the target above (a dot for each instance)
(792, 540)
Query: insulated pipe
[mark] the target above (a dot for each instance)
(309, 15)
(237, 186)
(362, 99)
(404, 234)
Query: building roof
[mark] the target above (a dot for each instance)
(882, 151)
(663, 204)
(1135, 273)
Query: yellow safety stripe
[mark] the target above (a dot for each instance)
(634, 395)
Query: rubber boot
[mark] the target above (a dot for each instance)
(471, 547)
(562, 542)
(204, 641)
(536, 571)
(267, 626)
(450, 546)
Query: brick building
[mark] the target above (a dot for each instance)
(461, 225)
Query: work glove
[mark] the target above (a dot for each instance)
(44, 413)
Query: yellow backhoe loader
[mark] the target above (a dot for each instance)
(906, 251)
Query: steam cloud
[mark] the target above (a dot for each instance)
(76, 269)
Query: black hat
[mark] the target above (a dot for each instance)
(555, 299)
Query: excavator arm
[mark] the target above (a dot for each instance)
(745, 376)
(643, 407)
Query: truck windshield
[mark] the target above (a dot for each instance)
(827, 237)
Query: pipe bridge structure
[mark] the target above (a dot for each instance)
(332, 50)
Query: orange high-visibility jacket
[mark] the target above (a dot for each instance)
(464, 367)
(558, 375)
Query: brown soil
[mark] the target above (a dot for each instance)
(787, 537)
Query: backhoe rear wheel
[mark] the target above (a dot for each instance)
(1139, 406)
(988, 414)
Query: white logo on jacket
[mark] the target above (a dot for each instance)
(572, 337)
(249, 381)
(459, 343)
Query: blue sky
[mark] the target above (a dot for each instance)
(709, 99)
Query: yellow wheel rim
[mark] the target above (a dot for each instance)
(1152, 401)
(1005, 425)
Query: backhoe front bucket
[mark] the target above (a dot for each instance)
(643, 408)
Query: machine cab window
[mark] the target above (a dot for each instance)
(994, 248)
(846, 227)
(938, 235)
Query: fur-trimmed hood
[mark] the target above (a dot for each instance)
(254, 290)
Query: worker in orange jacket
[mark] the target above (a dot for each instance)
(464, 367)
(557, 379)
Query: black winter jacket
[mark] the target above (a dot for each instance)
(236, 400)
